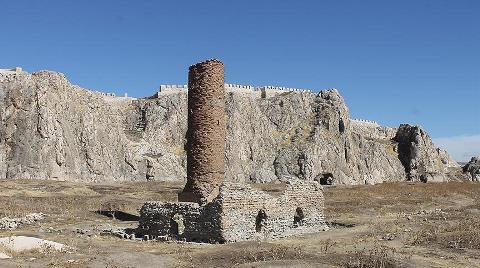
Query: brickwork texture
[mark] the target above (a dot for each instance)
(206, 132)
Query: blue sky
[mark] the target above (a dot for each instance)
(394, 62)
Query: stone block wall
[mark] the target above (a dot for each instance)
(249, 213)
(240, 212)
(372, 129)
(181, 221)
(263, 91)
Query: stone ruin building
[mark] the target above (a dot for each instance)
(213, 209)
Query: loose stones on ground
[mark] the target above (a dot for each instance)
(13, 223)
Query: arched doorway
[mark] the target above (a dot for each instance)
(176, 225)
(260, 220)
(298, 217)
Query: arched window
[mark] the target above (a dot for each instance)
(298, 217)
(260, 220)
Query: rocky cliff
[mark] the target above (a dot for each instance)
(51, 129)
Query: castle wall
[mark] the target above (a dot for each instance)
(372, 130)
(15, 70)
(263, 91)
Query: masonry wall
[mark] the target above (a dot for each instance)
(239, 213)
(206, 132)
(248, 213)
(372, 130)
(181, 221)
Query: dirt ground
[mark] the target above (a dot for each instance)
(386, 225)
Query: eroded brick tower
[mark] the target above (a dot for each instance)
(206, 132)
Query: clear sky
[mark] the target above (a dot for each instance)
(394, 62)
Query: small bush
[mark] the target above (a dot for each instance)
(460, 235)
(378, 257)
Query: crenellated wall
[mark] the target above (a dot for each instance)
(264, 90)
(372, 130)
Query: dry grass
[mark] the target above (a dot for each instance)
(378, 257)
(464, 234)
(243, 254)
(394, 197)
(448, 228)
(19, 198)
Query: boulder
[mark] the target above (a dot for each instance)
(472, 168)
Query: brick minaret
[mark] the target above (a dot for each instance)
(206, 132)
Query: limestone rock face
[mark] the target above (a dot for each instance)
(472, 168)
(51, 129)
(421, 159)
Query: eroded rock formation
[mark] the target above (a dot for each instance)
(472, 168)
(51, 129)
(421, 159)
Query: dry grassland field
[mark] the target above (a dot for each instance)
(385, 225)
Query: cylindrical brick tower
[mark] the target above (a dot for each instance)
(206, 132)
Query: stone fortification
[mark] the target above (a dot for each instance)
(206, 132)
(16, 70)
(372, 130)
(263, 91)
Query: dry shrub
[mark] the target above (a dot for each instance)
(244, 253)
(378, 257)
(276, 252)
(464, 234)
(43, 251)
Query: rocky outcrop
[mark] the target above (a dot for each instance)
(472, 169)
(421, 159)
(51, 129)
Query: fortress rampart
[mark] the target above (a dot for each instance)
(263, 90)
(7, 75)
(15, 70)
(372, 129)
(364, 122)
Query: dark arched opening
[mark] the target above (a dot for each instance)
(298, 217)
(260, 221)
(176, 225)
(326, 179)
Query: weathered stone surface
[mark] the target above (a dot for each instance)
(51, 129)
(13, 223)
(206, 132)
(472, 168)
(421, 159)
(240, 212)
